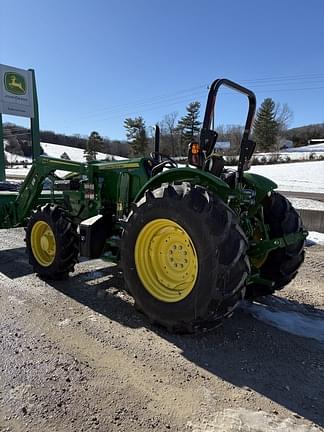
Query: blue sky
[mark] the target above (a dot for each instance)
(98, 62)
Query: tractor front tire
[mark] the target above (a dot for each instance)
(51, 242)
(281, 265)
(183, 257)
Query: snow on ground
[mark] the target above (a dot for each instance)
(75, 154)
(309, 204)
(284, 156)
(309, 148)
(315, 238)
(300, 177)
(300, 324)
(55, 150)
(311, 152)
(16, 173)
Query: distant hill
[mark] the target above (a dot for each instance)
(19, 140)
(301, 135)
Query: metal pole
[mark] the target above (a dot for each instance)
(34, 122)
(2, 154)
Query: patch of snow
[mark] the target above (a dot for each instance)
(315, 238)
(244, 420)
(17, 173)
(12, 158)
(300, 324)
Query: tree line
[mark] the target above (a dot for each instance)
(19, 141)
(271, 124)
(269, 128)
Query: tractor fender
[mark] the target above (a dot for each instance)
(191, 175)
(260, 184)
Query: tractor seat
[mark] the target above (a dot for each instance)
(215, 164)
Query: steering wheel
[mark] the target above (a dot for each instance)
(164, 158)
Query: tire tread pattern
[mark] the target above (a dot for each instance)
(224, 233)
(66, 237)
(281, 265)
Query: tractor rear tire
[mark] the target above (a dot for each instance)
(52, 242)
(281, 265)
(183, 257)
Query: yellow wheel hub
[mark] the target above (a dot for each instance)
(43, 243)
(166, 260)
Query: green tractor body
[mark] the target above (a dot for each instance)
(192, 241)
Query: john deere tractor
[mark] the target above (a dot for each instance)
(192, 241)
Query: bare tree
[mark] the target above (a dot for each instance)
(284, 117)
(231, 133)
(168, 126)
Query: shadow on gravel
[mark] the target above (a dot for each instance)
(245, 352)
(14, 263)
(102, 291)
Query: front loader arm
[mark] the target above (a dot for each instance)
(32, 186)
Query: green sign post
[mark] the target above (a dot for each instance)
(18, 96)
(2, 153)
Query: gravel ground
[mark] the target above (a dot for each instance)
(76, 356)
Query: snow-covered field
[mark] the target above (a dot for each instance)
(309, 204)
(55, 150)
(299, 177)
(315, 151)
(309, 148)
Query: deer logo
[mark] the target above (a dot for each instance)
(15, 83)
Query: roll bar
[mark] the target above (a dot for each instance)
(211, 104)
(208, 137)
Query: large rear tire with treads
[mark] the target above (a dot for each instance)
(183, 256)
(281, 265)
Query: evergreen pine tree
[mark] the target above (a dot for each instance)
(136, 135)
(189, 125)
(65, 156)
(94, 145)
(266, 128)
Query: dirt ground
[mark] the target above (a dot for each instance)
(76, 356)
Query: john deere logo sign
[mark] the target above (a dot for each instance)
(15, 83)
(16, 91)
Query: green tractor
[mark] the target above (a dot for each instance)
(192, 241)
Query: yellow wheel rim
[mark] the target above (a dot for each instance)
(43, 243)
(166, 260)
